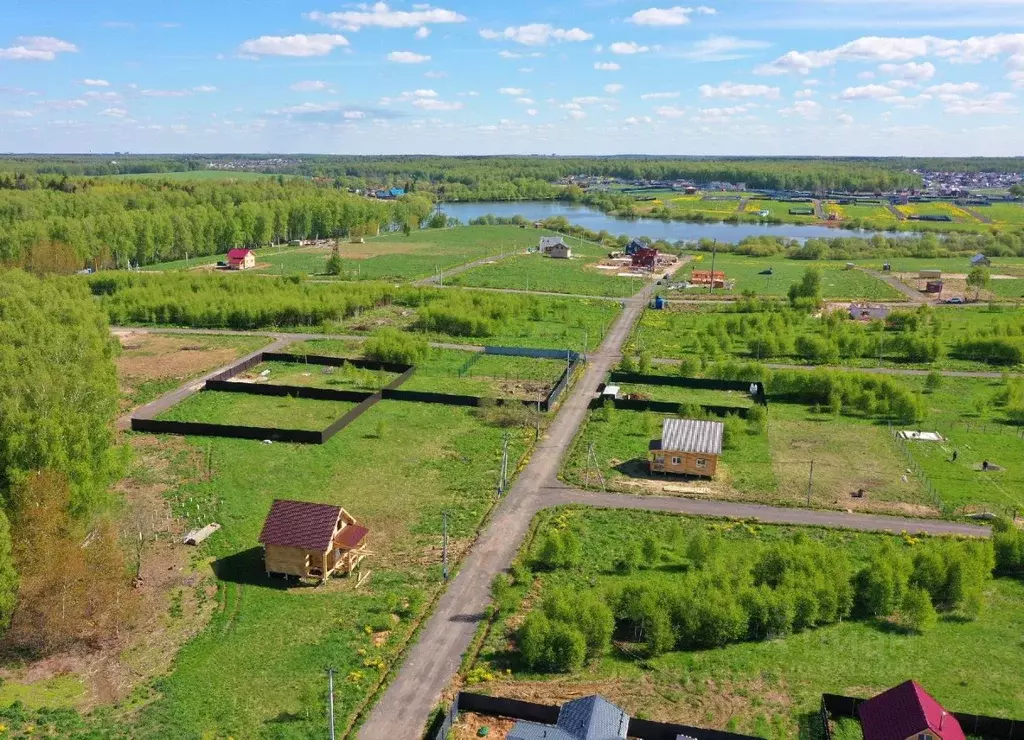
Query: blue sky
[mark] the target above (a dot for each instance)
(755, 77)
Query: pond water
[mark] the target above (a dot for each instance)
(655, 228)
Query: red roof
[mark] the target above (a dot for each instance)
(238, 254)
(300, 524)
(904, 711)
(350, 537)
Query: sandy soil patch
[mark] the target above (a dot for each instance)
(379, 248)
(160, 356)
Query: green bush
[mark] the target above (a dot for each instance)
(391, 345)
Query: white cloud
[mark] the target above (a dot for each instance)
(309, 86)
(1016, 77)
(435, 75)
(995, 103)
(607, 66)
(107, 95)
(95, 83)
(670, 111)
(674, 16)
(515, 91)
(381, 16)
(204, 89)
(738, 90)
(16, 113)
(299, 45)
(869, 92)
(408, 57)
(897, 49)
(525, 70)
(354, 115)
(627, 47)
(36, 49)
(721, 49)
(804, 94)
(525, 101)
(114, 113)
(408, 95)
(537, 34)
(953, 88)
(165, 93)
(659, 95)
(506, 54)
(844, 118)
(910, 72)
(866, 75)
(437, 105)
(637, 120)
(531, 112)
(804, 108)
(587, 100)
(422, 32)
(613, 88)
(577, 115)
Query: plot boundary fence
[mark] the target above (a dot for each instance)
(708, 384)
(547, 714)
(222, 382)
(978, 725)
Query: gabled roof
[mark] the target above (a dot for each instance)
(238, 254)
(593, 718)
(978, 258)
(690, 435)
(904, 711)
(350, 537)
(300, 524)
(550, 241)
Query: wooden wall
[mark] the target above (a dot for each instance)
(687, 464)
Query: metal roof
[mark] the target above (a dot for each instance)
(590, 718)
(523, 730)
(302, 524)
(690, 435)
(904, 711)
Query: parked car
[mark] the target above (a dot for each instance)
(955, 299)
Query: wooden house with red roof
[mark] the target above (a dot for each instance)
(907, 712)
(310, 540)
(241, 259)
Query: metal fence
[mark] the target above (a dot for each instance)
(711, 384)
(916, 469)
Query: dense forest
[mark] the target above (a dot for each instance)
(59, 225)
(482, 178)
(58, 399)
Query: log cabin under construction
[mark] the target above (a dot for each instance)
(310, 540)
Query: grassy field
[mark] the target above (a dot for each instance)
(870, 215)
(257, 669)
(1004, 213)
(780, 211)
(772, 688)
(959, 215)
(346, 378)
(578, 275)
(216, 407)
(837, 282)
(150, 365)
(676, 394)
(772, 468)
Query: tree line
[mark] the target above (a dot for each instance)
(62, 572)
(725, 595)
(117, 224)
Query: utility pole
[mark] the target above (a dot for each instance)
(444, 544)
(714, 253)
(592, 460)
(810, 483)
(536, 436)
(586, 341)
(330, 701)
(503, 472)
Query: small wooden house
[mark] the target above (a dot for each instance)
(241, 259)
(687, 447)
(310, 540)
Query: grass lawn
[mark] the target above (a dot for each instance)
(836, 283)
(964, 412)
(257, 670)
(871, 216)
(780, 211)
(345, 378)
(152, 364)
(774, 468)
(676, 394)
(219, 407)
(536, 271)
(771, 688)
(1004, 213)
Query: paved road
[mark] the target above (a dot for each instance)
(873, 370)
(912, 294)
(435, 279)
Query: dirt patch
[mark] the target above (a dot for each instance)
(163, 356)
(174, 602)
(380, 248)
(468, 727)
(528, 390)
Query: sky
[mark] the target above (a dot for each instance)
(734, 77)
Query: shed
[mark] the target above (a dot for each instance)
(933, 286)
(980, 260)
(590, 718)
(610, 391)
(929, 274)
(687, 447)
(311, 540)
(907, 712)
(241, 259)
(560, 251)
(659, 303)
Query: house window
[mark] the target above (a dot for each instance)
(659, 459)
(676, 461)
(924, 736)
(701, 462)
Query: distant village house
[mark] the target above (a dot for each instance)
(310, 540)
(241, 259)
(687, 447)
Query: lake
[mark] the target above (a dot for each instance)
(655, 228)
